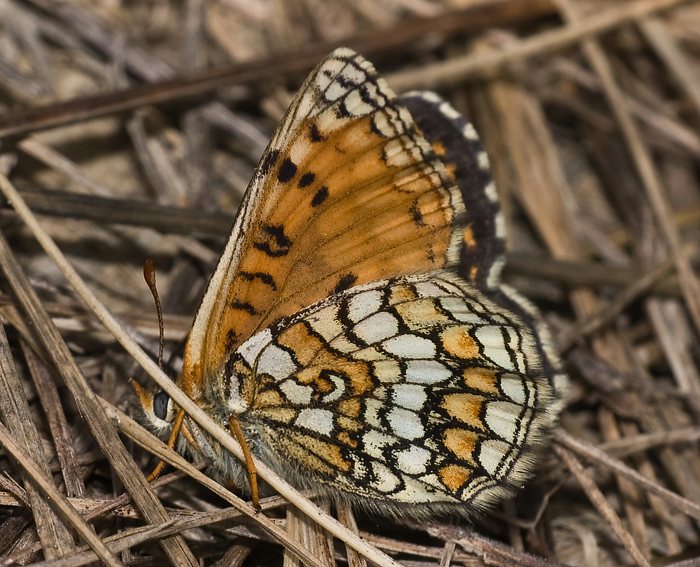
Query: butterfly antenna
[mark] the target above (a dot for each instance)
(149, 274)
(174, 432)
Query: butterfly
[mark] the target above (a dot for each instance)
(356, 335)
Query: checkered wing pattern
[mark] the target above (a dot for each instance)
(411, 391)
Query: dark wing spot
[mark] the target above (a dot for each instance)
(345, 82)
(244, 306)
(417, 215)
(314, 133)
(275, 242)
(306, 179)
(262, 276)
(287, 170)
(268, 161)
(345, 282)
(342, 110)
(231, 339)
(319, 197)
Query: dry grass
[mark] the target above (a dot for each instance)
(133, 128)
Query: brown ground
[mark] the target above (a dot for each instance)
(590, 110)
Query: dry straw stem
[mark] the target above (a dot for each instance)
(585, 274)
(178, 396)
(651, 181)
(459, 69)
(89, 407)
(430, 76)
(148, 441)
(683, 71)
(130, 538)
(58, 500)
(300, 528)
(447, 554)
(597, 498)
(640, 443)
(14, 412)
(542, 188)
(597, 456)
(681, 465)
(496, 554)
(58, 424)
(144, 534)
(50, 401)
(216, 224)
(475, 17)
(346, 516)
(607, 313)
(480, 550)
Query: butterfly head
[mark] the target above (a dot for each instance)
(157, 409)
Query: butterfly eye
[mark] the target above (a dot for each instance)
(160, 404)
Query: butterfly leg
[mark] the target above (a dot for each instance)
(237, 431)
(172, 439)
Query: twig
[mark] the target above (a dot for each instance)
(645, 167)
(474, 18)
(607, 313)
(90, 409)
(629, 445)
(14, 412)
(488, 551)
(58, 425)
(147, 440)
(597, 498)
(57, 499)
(459, 69)
(599, 457)
(682, 69)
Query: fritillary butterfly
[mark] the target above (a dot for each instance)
(356, 325)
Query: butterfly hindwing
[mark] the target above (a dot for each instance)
(414, 390)
(348, 192)
(457, 144)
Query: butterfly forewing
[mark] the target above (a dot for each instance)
(348, 192)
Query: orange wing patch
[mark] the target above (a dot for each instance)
(345, 218)
(454, 477)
